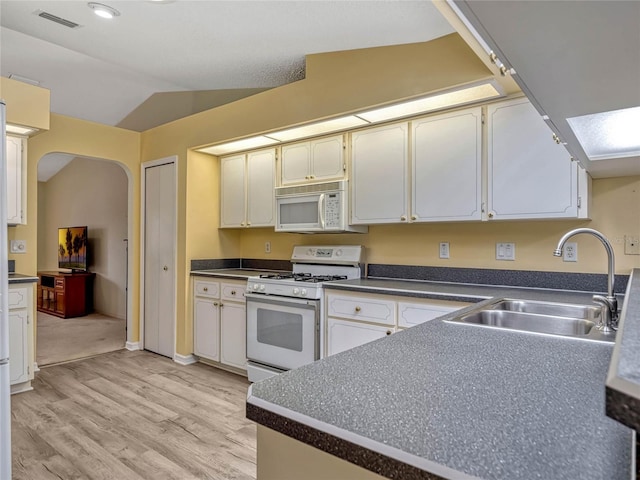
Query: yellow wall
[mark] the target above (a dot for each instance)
(92, 140)
(615, 212)
(27, 105)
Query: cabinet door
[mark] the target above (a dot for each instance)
(232, 191)
(529, 175)
(18, 346)
(412, 313)
(233, 335)
(447, 167)
(261, 181)
(327, 159)
(206, 328)
(15, 186)
(344, 335)
(379, 177)
(296, 160)
(59, 303)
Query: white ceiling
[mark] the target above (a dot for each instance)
(105, 69)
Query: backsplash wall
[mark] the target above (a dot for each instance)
(615, 211)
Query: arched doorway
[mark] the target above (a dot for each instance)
(82, 191)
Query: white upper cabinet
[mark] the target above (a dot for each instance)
(380, 175)
(16, 180)
(247, 183)
(261, 181)
(529, 174)
(447, 167)
(318, 160)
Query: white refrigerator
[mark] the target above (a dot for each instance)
(5, 400)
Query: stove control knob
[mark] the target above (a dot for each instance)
(338, 253)
(262, 288)
(303, 292)
(296, 291)
(310, 252)
(255, 286)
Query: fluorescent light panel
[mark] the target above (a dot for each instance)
(314, 129)
(608, 135)
(239, 145)
(18, 130)
(448, 99)
(435, 102)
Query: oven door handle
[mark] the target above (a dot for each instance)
(283, 301)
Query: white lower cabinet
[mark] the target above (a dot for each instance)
(353, 319)
(20, 337)
(219, 322)
(345, 334)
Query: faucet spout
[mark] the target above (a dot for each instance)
(609, 302)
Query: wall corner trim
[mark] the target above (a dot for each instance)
(184, 359)
(132, 346)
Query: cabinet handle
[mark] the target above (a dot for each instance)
(403, 218)
(221, 304)
(491, 214)
(242, 224)
(165, 268)
(414, 217)
(358, 309)
(205, 289)
(248, 223)
(215, 304)
(388, 332)
(312, 177)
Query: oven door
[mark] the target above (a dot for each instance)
(282, 332)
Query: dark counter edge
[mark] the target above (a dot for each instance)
(19, 278)
(338, 447)
(623, 394)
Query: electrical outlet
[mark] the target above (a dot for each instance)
(631, 245)
(444, 250)
(18, 246)
(505, 251)
(570, 252)
(267, 247)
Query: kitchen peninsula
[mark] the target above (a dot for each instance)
(442, 400)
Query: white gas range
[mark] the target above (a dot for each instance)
(284, 310)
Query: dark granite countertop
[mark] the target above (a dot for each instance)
(20, 278)
(233, 273)
(456, 401)
(623, 379)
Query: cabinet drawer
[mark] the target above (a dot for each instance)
(366, 309)
(17, 298)
(59, 284)
(410, 314)
(234, 292)
(344, 335)
(205, 288)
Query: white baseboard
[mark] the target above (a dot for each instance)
(184, 359)
(132, 346)
(36, 368)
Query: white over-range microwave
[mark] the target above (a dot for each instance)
(315, 208)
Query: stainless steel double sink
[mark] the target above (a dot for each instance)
(562, 319)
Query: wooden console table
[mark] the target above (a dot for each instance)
(65, 294)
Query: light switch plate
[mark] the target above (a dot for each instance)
(444, 250)
(18, 246)
(505, 251)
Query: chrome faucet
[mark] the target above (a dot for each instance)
(610, 303)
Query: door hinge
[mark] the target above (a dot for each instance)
(579, 202)
(344, 145)
(344, 167)
(28, 370)
(482, 118)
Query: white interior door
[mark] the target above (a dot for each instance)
(159, 259)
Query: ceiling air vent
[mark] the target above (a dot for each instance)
(55, 18)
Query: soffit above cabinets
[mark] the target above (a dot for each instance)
(571, 59)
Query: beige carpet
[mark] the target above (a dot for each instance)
(63, 339)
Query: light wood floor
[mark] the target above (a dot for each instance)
(132, 415)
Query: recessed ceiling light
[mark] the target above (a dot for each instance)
(104, 11)
(607, 135)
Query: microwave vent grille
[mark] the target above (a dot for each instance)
(312, 188)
